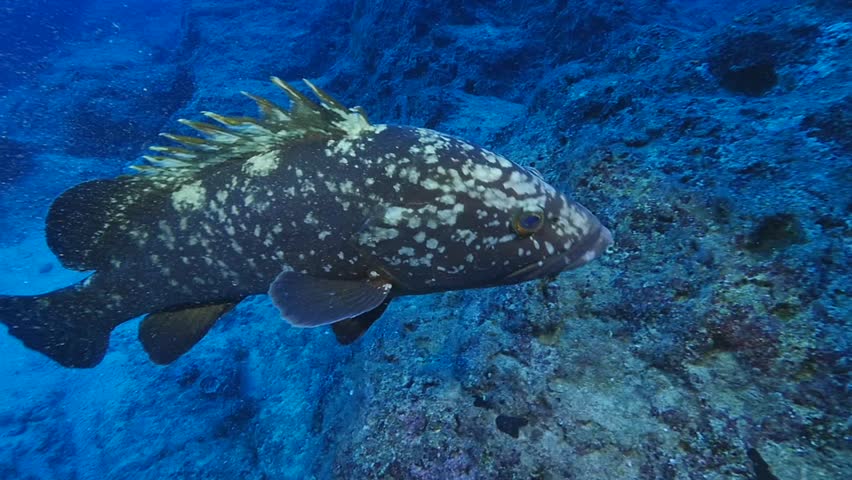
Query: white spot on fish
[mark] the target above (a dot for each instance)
(412, 174)
(189, 197)
(394, 215)
(467, 236)
(261, 165)
(166, 235)
(521, 184)
(422, 261)
(447, 199)
(347, 187)
(430, 184)
(377, 234)
(486, 174)
(307, 186)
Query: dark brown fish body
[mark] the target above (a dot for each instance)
(331, 215)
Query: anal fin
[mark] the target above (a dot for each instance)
(168, 335)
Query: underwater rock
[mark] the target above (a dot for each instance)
(225, 383)
(510, 425)
(33, 29)
(210, 385)
(753, 339)
(776, 232)
(751, 62)
(238, 420)
(187, 375)
(747, 63)
(761, 468)
(832, 124)
(116, 122)
(16, 160)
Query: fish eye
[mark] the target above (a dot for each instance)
(527, 223)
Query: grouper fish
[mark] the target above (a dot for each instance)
(331, 215)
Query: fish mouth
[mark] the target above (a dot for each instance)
(578, 255)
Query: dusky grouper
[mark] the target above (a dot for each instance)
(329, 214)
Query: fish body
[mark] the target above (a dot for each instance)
(329, 214)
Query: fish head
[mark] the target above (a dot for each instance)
(563, 235)
(475, 219)
(527, 229)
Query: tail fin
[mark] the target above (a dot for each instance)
(54, 327)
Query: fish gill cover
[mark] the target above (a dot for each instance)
(710, 341)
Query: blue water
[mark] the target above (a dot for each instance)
(710, 341)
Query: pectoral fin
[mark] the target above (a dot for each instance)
(168, 335)
(306, 301)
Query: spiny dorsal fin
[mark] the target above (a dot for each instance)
(242, 137)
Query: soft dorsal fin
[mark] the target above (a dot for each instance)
(168, 335)
(88, 222)
(241, 138)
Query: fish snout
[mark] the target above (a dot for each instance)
(603, 242)
(591, 249)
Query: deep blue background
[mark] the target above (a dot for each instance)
(712, 137)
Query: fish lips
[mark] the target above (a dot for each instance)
(578, 255)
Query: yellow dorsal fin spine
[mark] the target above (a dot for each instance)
(236, 138)
(269, 110)
(325, 97)
(296, 96)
